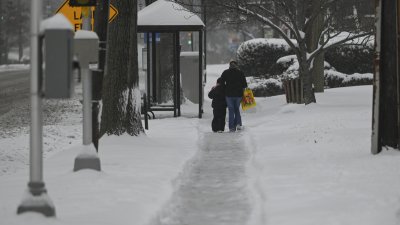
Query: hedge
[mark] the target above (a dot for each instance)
(257, 57)
(351, 59)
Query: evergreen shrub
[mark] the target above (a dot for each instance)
(267, 61)
(257, 57)
(335, 79)
(351, 59)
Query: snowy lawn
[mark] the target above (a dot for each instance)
(135, 180)
(306, 165)
(312, 164)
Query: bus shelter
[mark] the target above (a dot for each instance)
(169, 17)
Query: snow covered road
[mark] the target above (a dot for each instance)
(14, 89)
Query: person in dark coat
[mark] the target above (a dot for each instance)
(235, 83)
(217, 94)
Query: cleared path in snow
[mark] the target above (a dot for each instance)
(212, 188)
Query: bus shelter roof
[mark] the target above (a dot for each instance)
(167, 16)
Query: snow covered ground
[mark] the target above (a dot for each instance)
(293, 164)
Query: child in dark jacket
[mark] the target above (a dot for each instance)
(217, 94)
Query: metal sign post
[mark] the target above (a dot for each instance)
(87, 84)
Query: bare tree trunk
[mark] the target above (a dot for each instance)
(312, 39)
(133, 117)
(317, 73)
(121, 95)
(305, 73)
(305, 76)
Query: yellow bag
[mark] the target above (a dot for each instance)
(248, 100)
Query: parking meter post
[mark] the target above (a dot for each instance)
(86, 49)
(37, 199)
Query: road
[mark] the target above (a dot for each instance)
(15, 104)
(14, 89)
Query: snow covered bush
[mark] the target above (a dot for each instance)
(257, 57)
(289, 67)
(336, 79)
(333, 78)
(351, 59)
(268, 61)
(286, 63)
(264, 87)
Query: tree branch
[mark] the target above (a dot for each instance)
(326, 46)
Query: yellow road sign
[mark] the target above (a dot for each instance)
(74, 14)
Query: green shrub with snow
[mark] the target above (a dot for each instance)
(257, 57)
(336, 79)
(351, 59)
(270, 86)
(266, 62)
(333, 78)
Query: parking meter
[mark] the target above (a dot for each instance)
(58, 54)
(86, 47)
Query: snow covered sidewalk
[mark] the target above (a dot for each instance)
(212, 188)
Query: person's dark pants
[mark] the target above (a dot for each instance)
(218, 122)
(234, 112)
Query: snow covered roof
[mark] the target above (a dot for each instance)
(56, 22)
(85, 34)
(165, 15)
